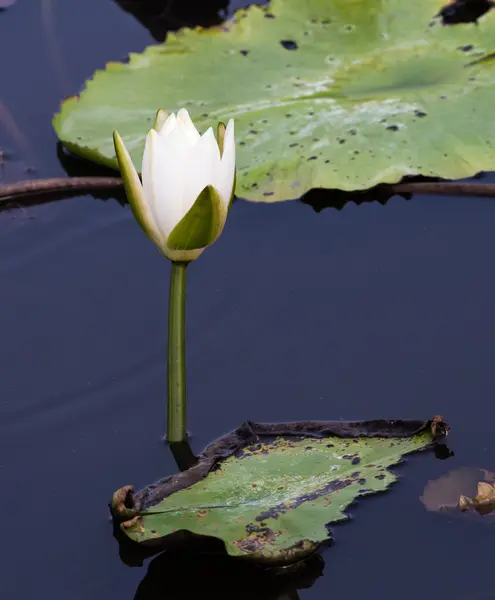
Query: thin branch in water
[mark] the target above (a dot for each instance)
(74, 185)
(10, 191)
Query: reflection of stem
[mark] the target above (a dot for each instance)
(11, 126)
(51, 39)
(176, 413)
(183, 455)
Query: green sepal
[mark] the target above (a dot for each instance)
(134, 191)
(201, 225)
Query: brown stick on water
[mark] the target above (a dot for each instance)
(13, 191)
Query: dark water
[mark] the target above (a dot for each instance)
(372, 311)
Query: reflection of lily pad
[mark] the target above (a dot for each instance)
(162, 16)
(342, 94)
(221, 577)
(462, 490)
(269, 492)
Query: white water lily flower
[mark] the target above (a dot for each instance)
(187, 185)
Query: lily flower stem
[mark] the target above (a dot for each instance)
(176, 412)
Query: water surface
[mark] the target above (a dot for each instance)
(371, 311)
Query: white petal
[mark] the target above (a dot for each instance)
(168, 126)
(224, 180)
(187, 126)
(177, 144)
(202, 166)
(162, 183)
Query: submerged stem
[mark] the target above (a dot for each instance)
(183, 455)
(176, 413)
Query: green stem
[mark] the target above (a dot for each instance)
(176, 419)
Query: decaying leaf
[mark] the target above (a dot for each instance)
(270, 491)
(462, 490)
(484, 501)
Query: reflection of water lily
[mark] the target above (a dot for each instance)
(187, 184)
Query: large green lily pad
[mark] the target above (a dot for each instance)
(269, 492)
(341, 94)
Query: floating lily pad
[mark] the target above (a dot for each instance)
(270, 492)
(341, 94)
